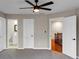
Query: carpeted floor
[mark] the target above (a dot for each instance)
(31, 54)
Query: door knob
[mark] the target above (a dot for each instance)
(73, 38)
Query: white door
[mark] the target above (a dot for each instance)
(2, 33)
(69, 36)
(28, 33)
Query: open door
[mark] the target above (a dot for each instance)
(69, 36)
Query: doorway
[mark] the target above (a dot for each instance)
(12, 33)
(62, 35)
(56, 26)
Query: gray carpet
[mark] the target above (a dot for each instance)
(31, 54)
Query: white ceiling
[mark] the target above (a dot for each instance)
(12, 6)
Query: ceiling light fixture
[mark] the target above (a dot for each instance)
(36, 10)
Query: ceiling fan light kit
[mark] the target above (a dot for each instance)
(37, 7)
(36, 10)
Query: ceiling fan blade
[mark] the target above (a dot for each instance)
(46, 9)
(29, 2)
(26, 8)
(45, 4)
(36, 1)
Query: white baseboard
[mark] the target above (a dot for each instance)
(20, 48)
(30, 48)
(42, 48)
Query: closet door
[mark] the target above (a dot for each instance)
(28, 33)
(2, 33)
(69, 36)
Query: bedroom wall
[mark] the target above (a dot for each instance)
(40, 26)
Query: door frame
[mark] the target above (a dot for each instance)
(53, 20)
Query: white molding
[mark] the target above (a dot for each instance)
(19, 48)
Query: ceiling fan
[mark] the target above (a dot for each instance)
(36, 7)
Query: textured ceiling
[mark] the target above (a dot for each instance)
(12, 6)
